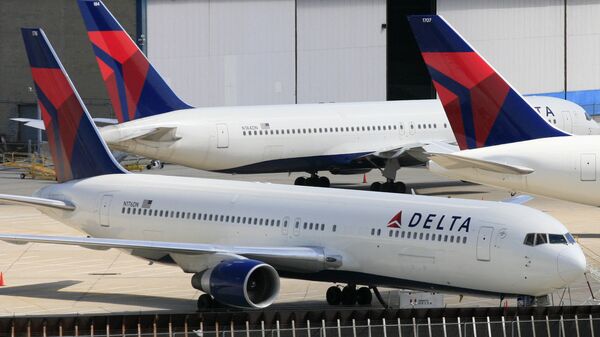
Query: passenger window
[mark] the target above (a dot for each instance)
(541, 238)
(372, 231)
(305, 225)
(465, 239)
(322, 227)
(408, 235)
(244, 133)
(403, 233)
(445, 238)
(379, 232)
(128, 210)
(427, 236)
(204, 216)
(297, 224)
(278, 223)
(123, 210)
(221, 218)
(458, 239)
(452, 238)
(210, 217)
(310, 226)
(391, 233)
(421, 236)
(193, 216)
(285, 223)
(155, 212)
(334, 227)
(397, 233)
(529, 239)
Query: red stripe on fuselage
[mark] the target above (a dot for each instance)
(466, 68)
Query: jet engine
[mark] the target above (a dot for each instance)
(242, 283)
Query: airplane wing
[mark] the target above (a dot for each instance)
(454, 161)
(292, 257)
(35, 202)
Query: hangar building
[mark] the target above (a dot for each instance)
(248, 52)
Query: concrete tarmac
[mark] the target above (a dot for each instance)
(43, 279)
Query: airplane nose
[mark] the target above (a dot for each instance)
(571, 264)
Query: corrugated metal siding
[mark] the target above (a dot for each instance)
(341, 50)
(224, 52)
(522, 39)
(583, 46)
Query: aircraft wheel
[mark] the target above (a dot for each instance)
(399, 187)
(205, 302)
(300, 181)
(349, 295)
(364, 296)
(376, 186)
(312, 181)
(324, 182)
(387, 187)
(22, 175)
(333, 295)
(149, 167)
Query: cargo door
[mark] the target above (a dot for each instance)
(222, 136)
(484, 241)
(588, 167)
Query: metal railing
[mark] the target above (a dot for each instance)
(409, 327)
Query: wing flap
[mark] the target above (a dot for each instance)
(455, 162)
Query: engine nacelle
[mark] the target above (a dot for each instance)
(242, 283)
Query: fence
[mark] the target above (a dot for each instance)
(576, 322)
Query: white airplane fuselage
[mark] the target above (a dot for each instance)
(307, 137)
(457, 245)
(564, 168)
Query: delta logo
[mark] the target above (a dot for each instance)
(433, 221)
(396, 221)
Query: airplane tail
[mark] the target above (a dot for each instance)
(75, 144)
(483, 109)
(135, 88)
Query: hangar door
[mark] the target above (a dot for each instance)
(218, 52)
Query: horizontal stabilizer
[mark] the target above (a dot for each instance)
(454, 162)
(290, 257)
(39, 124)
(35, 202)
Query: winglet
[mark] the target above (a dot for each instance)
(75, 144)
(135, 88)
(482, 107)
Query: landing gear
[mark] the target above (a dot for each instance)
(313, 180)
(205, 302)
(334, 295)
(349, 295)
(389, 186)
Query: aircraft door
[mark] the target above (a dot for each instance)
(588, 167)
(222, 136)
(104, 214)
(297, 226)
(284, 226)
(568, 121)
(484, 241)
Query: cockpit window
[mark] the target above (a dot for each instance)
(541, 238)
(529, 239)
(587, 116)
(557, 238)
(534, 239)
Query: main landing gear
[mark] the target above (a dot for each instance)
(313, 180)
(389, 186)
(349, 295)
(205, 302)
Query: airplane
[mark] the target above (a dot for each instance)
(503, 142)
(343, 138)
(239, 238)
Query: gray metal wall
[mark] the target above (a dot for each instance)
(240, 52)
(525, 40)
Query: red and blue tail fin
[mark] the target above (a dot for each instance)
(483, 109)
(135, 88)
(75, 144)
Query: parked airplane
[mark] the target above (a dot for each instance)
(342, 138)
(239, 238)
(504, 142)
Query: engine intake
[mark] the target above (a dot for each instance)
(240, 283)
